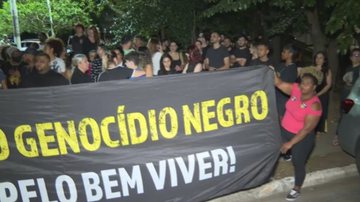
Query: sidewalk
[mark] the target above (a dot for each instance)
(326, 163)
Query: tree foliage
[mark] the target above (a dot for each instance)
(338, 18)
(34, 16)
(165, 18)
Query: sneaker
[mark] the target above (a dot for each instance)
(287, 157)
(292, 195)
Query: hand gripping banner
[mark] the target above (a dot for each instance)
(173, 138)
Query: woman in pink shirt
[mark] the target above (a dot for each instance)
(303, 112)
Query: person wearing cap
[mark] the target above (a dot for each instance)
(126, 44)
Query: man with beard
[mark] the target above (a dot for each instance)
(217, 56)
(43, 76)
(241, 55)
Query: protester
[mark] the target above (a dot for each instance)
(165, 45)
(80, 65)
(204, 44)
(139, 42)
(4, 59)
(217, 57)
(28, 62)
(262, 50)
(227, 43)
(352, 72)
(79, 40)
(195, 58)
(303, 112)
(92, 55)
(126, 44)
(177, 57)
(54, 47)
(114, 72)
(322, 72)
(241, 55)
(167, 65)
(42, 37)
(287, 71)
(43, 76)
(349, 78)
(93, 41)
(2, 80)
(12, 68)
(119, 57)
(156, 52)
(145, 61)
(132, 62)
(97, 64)
(198, 44)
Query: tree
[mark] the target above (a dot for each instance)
(34, 16)
(165, 18)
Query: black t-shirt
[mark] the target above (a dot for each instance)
(288, 73)
(191, 67)
(204, 51)
(216, 56)
(164, 72)
(51, 78)
(259, 62)
(88, 46)
(117, 73)
(80, 77)
(242, 53)
(79, 44)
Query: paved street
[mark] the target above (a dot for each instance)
(344, 190)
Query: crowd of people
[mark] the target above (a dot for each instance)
(303, 115)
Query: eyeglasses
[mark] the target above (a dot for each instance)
(355, 55)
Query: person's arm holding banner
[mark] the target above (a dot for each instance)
(282, 85)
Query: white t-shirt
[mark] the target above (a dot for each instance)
(156, 62)
(58, 65)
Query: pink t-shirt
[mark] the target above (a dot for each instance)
(296, 111)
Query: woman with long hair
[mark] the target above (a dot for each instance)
(156, 52)
(166, 65)
(322, 72)
(195, 60)
(93, 35)
(177, 56)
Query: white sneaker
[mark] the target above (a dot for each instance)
(292, 195)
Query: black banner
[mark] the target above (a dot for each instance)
(173, 138)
